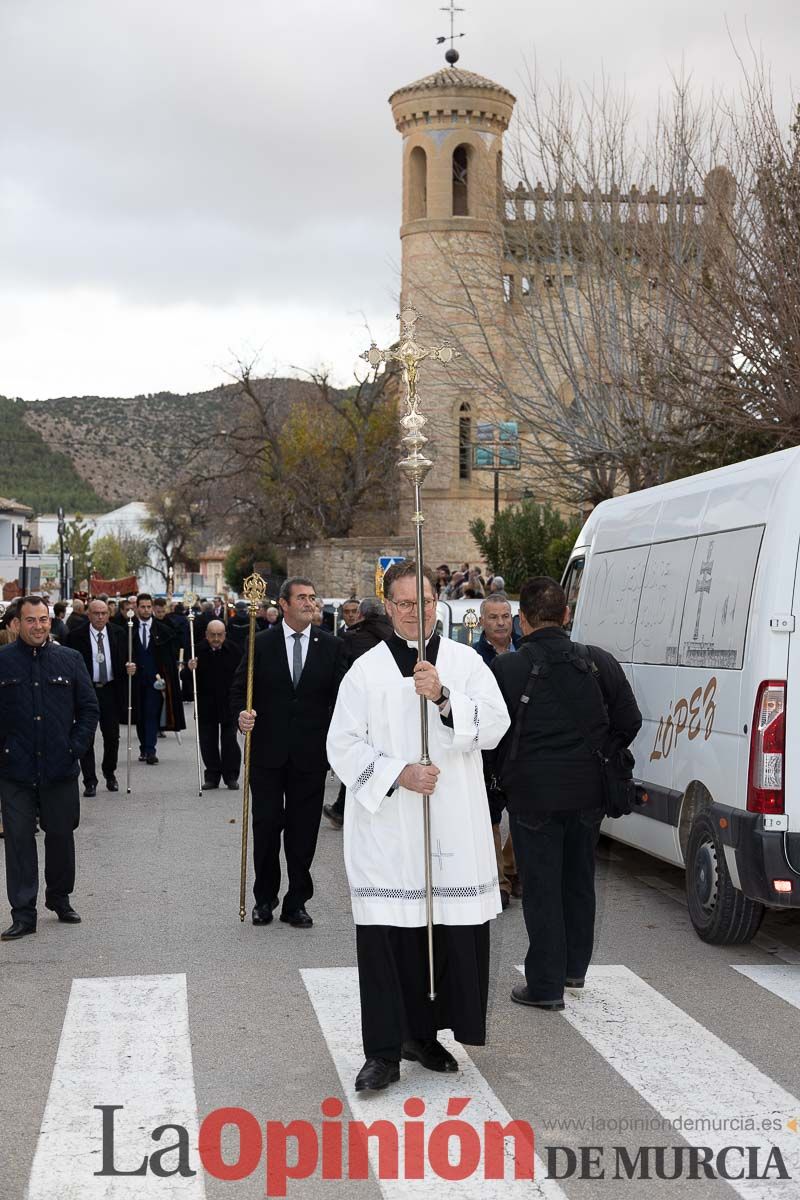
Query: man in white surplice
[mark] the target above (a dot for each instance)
(374, 746)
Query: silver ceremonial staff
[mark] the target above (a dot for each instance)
(190, 599)
(415, 466)
(130, 697)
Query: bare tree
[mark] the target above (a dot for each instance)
(597, 318)
(300, 457)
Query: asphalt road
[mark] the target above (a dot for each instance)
(158, 892)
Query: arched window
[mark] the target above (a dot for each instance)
(461, 157)
(417, 184)
(464, 442)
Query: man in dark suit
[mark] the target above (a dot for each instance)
(104, 649)
(155, 650)
(298, 668)
(215, 666)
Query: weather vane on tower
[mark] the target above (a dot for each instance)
(451, 55)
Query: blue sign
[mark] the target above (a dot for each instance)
(386, 561)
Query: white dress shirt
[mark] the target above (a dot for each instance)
(93, 633)
(305, 638)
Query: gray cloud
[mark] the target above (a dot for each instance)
(173, 152)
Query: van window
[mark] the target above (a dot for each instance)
(718, 599)
(610, 600)
(658, 625)
(571, 584)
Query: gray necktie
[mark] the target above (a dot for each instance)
(297, 659)
(143, 634)
(102, 667)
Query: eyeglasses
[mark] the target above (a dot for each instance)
(409, 605)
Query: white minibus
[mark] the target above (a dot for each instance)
(693, 586)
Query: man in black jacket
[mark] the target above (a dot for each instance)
(48, 715)
(215, 666)
(104, 649)
(298, 668)
(553, 783)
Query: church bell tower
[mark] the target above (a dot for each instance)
(452, 124)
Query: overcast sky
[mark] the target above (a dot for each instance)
(185, 181)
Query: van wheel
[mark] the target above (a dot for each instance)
(720, 913)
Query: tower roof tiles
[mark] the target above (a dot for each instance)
(450, 79)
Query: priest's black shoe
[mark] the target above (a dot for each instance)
(111, 783)
(262, 914)
(299, 919)
(16, 930)
(520, 995)
(430, 1054)
(233, 784)
(65, 912)
(209, 785)
(90, 789)
(152, 759)
(376, 1074)
(142, 758)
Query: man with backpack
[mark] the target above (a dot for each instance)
(563, 766)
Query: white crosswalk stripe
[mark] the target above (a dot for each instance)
(781, 979)
(124, 1041)
(334, 994)
(686, 1072)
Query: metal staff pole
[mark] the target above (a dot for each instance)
(415, 466)
(130, 698)
(254, 589)
(190, 599)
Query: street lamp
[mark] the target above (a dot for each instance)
(62, 529)
(24, 537)
(89, 573)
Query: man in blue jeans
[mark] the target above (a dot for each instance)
(563, 700)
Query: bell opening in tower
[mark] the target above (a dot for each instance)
(461, 157)
(417, 184)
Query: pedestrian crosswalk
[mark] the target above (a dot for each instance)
(684, 1071)
(126, 1041)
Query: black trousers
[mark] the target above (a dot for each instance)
(150, 702)
(109, 729)
(220, 750)
(286, 801)
(58, 808)
(555, 854)
(393, 983)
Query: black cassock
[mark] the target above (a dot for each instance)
(393, 962)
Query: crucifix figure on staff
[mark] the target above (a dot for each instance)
(411, 719)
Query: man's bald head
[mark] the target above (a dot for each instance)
(215, 633)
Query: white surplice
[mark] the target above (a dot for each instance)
(374, 733)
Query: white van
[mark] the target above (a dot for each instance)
(694, 587)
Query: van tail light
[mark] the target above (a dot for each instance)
(767, 749)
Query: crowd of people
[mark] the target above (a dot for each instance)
(522, 720)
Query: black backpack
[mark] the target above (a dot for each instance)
(616, 768)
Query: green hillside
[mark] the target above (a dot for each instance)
(35, 474)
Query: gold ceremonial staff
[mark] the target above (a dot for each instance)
(190, 599)
(254, 589)
(415, 466)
